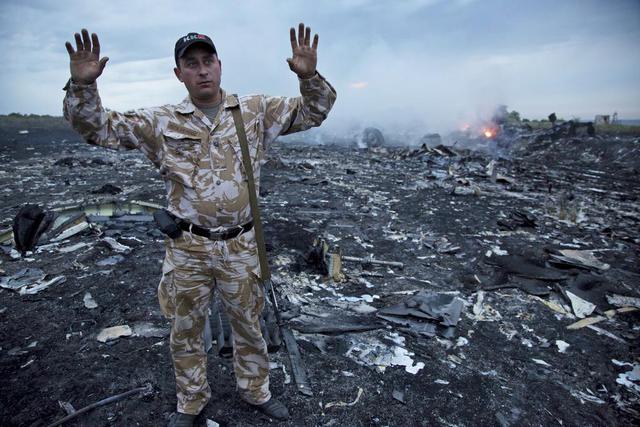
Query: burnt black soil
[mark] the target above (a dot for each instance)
(384, 202)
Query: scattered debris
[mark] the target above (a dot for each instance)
(41, 284)
(584, 259)
(622, 301)
(541, 362)
(147, 389)
(501, 236)
(399, 396)
(116, 246)
(71, 231)
(299, 372)
(372, 261)
(430, 306)
(562, 346)
(89, 302)
(342, 404)
(370, 351)
(22, 278)
(112, 260)
(335, 326)
(606, 333)
(28, 225)
(148, 330)
(586, 322)
(581, 307)
(114, 332)
(630, 379)
(588, 397)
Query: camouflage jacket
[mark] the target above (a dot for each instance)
(200, 160)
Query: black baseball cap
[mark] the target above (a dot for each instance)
(184, 42)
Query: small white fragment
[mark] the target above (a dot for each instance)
(582, 396)
(27, 364)
(114, 332)
(527, 342)
(367, 298)
(287, 377)
(498, 251)
(581, 307)
(211, 423)
(364, 308)
(443, 382)
(89, 302)
(71, 231)
(462, 341)
(477, 307)
(562, 346)
(116, 246)
(341, 403)
(415, 368)
(541, 362)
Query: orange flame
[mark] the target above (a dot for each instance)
(488, 133)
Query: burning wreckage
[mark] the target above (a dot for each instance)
(437, 285)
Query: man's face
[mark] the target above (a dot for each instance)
(200, 71)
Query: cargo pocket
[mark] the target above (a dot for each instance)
(246, 250)
(167, 291)
(258, 293)
(181, 153)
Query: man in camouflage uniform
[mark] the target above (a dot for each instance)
(195, 146)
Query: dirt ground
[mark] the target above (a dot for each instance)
(502, 367)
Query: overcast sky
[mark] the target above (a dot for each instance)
(394, 64)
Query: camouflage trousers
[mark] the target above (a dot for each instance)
(193, 267)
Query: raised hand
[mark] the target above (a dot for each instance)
(304, 54)
(86, 64)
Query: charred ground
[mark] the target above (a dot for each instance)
(440, 213)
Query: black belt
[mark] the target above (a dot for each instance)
(226, 234)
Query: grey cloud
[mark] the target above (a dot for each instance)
(429, 63)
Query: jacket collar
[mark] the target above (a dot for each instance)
(187, 106)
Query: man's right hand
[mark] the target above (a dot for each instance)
(86, 65)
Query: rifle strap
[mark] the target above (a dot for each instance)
(253, 195)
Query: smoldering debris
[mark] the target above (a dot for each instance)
(436, 273)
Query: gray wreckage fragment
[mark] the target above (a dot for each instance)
(445, 309)
(65, 222)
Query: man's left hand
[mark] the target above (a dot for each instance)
(304, 58)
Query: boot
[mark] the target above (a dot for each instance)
(178, 419)
(274, 409)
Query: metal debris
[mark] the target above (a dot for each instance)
(89, 302)
(41, 285)
(22, 278)
(370, 351)
(342, 404)
(114, 332)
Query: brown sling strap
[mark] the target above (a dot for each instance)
(265, 273)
